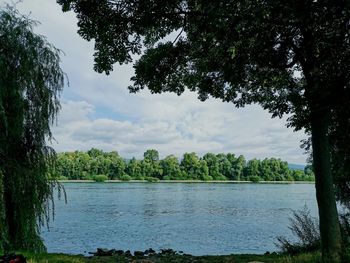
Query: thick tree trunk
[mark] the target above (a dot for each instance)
(328, 214)
(11, 222)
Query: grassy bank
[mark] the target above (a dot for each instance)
(166, 258)
(191, 181)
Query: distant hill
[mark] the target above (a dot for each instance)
(294, 166)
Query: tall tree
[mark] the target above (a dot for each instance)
(189, 164)
(213, 166)
(225, 166)
(134, 169)
(151, 155)
(171, 168)
(150, 164)
(291, 57)
(252, 169)
(239, 165)
(116, 167)
(30, 83)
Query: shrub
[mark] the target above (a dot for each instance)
(289, 178)
(152, 179)
(306, 229)
(254, 179)
(206, 178)
(63, 178)
(88, 177)
(125, 177)
(220, 177)
(100, 178)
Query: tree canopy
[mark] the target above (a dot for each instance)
(30, 83)
(291, 57)
(80, 165)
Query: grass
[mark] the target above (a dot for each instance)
(159, 258)
(53, 258)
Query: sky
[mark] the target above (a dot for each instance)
(98, 110)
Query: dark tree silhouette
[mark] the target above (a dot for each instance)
(291, 57)
(30, 83)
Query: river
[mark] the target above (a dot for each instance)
(196, 218)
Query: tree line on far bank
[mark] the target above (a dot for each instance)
(99, 165)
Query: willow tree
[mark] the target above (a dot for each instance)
(30, 83)
(290, 56)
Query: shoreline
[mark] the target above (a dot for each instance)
(173, 256)
(190, 181)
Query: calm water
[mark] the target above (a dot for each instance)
(195, 218)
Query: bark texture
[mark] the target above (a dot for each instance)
(328, 214)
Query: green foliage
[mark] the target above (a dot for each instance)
(134, 169)
(83, 166)
(290, 57)
(252, 169)
(100, 178)
(150, 165)
(151, 156)
(213, 163)
(254, 179)
(151, 179)
(31, 81)
(306, 229)
(171, 168)
(125, 177)
(189, 165)
(175, 258)
(252, 49)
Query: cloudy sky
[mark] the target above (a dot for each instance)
(98, 111)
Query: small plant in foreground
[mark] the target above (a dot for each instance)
(306, 229)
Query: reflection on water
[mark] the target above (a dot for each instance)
(195, 218)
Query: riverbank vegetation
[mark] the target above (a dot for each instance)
(175, 258)
(100, 166)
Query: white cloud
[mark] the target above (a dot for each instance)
(244, 131)
(98, 110)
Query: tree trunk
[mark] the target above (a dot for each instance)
(10, 243)
(328, 214)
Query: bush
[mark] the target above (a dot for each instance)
(152, 179)
(289, 178)
(206, 178)
(254, 179)
(167, 177)
(63, 178)
(125, 177)
(306, 229)
(100, 178)
(220, 177)
(88, 177)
